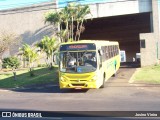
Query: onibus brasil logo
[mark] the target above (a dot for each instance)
(22, 114)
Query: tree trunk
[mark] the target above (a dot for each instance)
(59, 31)
(80, 30)
(52, 59)
(77, 31)
(70, 32)
(29, 62)
(72, 27)
(30, 67)
(67, 30)
(60, 34)
(14, 74)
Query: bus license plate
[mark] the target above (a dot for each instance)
(78, 88)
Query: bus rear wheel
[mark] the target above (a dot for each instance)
(114, 75)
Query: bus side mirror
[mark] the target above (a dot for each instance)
(100, 52)
(56, 58)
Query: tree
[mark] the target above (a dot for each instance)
(30, 55)
(69, 18)
(7, 40)
(82, 12)
(56, 19)
(11, 62)
(49, 46)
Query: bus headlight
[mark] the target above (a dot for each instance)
(62, 79)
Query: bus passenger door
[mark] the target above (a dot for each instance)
(100, 70)
(100, 59)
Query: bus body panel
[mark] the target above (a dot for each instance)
(85, 80)
(91, 79)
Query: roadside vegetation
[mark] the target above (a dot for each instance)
(48, 46)
(42, 76)
(22, 69)
(148, 75)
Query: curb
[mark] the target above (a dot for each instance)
(27, 88)
(5, 90)
(131, 80)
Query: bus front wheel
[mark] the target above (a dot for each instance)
(103, 84)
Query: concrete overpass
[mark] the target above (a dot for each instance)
(131, 23)
(124, 28)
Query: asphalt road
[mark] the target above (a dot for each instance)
(118, 95)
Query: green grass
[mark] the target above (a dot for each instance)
(150, 75)
(42, 76)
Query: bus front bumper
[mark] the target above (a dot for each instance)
(86, 85)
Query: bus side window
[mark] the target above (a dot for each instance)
(104, 53)
(117, 50)
(114, 50)
(109, 52)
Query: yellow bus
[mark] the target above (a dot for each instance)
(87, 63)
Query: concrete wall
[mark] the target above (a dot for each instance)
(28, 23)
(149, 54)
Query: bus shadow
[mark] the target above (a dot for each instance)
(130, 65)
(49, 89)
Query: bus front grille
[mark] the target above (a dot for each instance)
(78, 84)
(78, 80)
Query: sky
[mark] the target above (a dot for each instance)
(9, 4)
(62, 3)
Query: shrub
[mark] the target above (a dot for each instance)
(42, 65)
(10, 62)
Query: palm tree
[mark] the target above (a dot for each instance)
(83, 11)
(72, 9)
(67, 17)
(30, 55)
(54, 18)
(49, 46)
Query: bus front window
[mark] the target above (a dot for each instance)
(78, 62)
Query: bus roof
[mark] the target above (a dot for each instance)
(97, 42)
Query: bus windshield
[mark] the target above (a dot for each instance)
(78, 62)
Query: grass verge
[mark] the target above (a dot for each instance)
(42, 76)
(148, 75)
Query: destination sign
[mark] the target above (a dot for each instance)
(77, 46)
(74, 47)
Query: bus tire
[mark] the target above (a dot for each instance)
(103, 84)
(114, 75)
